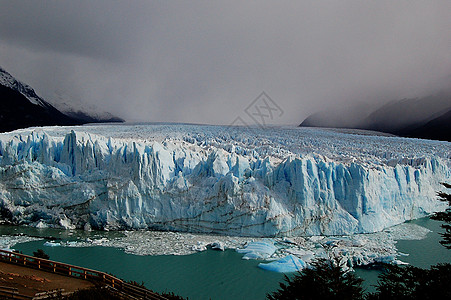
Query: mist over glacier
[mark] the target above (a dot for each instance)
(218, 179)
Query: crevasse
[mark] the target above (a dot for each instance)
(279, 182)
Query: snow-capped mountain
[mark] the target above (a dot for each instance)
(21, 107)
(80, 110)
(27, 91)
(216, 179)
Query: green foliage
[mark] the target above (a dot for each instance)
(168, 295)
(41, 254)
(445, 217)
(135, 283)
(408, 282)
(96, 293)
(101, 293)
(324, 281)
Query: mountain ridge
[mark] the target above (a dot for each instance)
(425, 117)
(21, 107)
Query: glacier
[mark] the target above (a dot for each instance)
(244, 181)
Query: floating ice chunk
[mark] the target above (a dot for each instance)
(398, 262)
(386, 259)
(100, 241)
(52, 244)
(217, 246)
(299, 252)
(87, 227)
(258, 250)
(41, 224)
(66, 223)
(199, 247)
(289, 263)
(7, 242)
(407, 231)
(305, 255)
(288, 240)
(316, 238)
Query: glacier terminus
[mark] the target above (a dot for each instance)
(261, 182)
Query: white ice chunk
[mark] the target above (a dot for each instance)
(258, 250)
(289, 263)
(52, 244)
(217, 246)
(41, 224)
(200, 247)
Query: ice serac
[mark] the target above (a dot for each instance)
(212, 179)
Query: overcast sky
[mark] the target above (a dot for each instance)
(206, 61)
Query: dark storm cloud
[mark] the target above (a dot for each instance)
(205, 61)
(87, 28)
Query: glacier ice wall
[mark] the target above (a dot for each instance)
(212, 179)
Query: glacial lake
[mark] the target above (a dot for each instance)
(209, 274)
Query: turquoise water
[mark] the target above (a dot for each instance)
(421, 253)
(209, 274)
(205, 275)
(427, 252)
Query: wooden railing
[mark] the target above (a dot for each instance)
(135, 292)
(7, 292)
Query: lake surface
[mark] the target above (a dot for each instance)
(209, 274)
(421, 253)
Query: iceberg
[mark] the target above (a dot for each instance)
(217, 246)
(287, 264)
(52, 244)
(268, 182)
(258, 250)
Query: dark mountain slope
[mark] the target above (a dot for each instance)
(16, 111)
(21, 107)
(426, 117)
(398, 117)
(436, 129)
